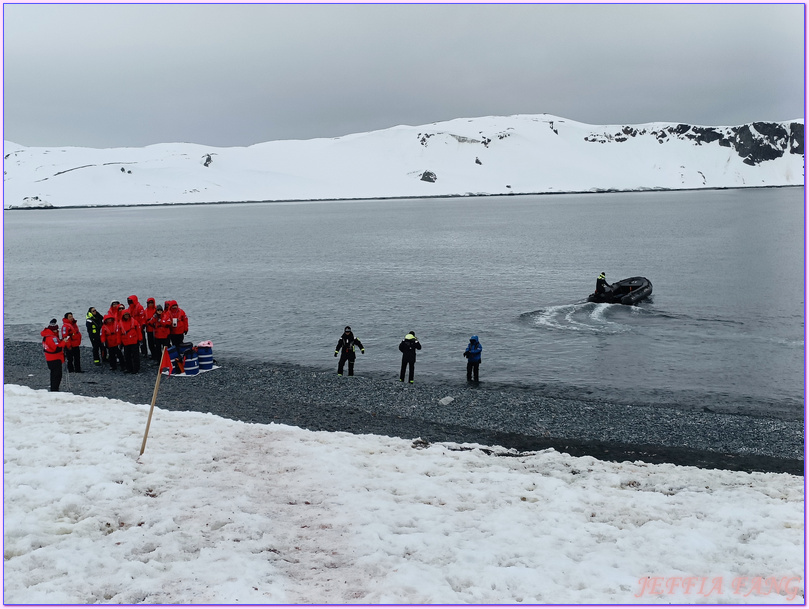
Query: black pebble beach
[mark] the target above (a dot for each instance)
(497, 415)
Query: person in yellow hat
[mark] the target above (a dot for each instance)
(408, 347)
(601, 284)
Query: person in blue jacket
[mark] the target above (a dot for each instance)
(472, 355)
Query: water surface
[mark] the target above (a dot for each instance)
(280, 281)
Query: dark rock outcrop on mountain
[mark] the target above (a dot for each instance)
(796, 141)
(754, 143)
(428, 176)
(767, 141)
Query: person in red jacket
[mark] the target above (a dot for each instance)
(148, 329)
(111, 338)
(72, 337)
(130, 332)
(178, 321)
(139, 315)
(54, 352)
(114, 308)
(162, 329)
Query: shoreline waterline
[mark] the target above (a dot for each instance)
(408, 198)
(496, 415)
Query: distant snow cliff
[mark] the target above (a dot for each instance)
(521, 154)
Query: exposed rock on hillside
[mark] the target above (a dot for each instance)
(754, 143)
(32, 203)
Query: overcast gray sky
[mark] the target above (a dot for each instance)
(234, 75)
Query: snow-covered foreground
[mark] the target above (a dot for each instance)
(218, 511)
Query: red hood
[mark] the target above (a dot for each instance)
(134, 300)
(48, 332)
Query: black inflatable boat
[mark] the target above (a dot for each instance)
(627, 291)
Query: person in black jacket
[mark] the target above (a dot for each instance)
(408, 347)
(93, 322)
(345, 347)
(601, 284)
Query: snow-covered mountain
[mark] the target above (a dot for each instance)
(520, 154)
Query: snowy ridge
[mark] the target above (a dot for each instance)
(521, 154)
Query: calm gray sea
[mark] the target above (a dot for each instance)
(280, 281)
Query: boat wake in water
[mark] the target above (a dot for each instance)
(596, 318)
(678, 356)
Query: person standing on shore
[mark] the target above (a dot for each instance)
(130, 339)
(472, 355)
(93, 323)
(54, 348)
(345, 348)
(72, 338)
(408, 347)
(139, 315)
(178, 323)
(111, 339)
(162, 329)
(148, 328)
(115, 310)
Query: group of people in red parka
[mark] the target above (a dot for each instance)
(120, 337)
(129, 332)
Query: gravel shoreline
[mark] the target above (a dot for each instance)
(496, 415)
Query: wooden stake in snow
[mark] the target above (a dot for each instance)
(164, 362)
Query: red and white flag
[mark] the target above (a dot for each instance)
(165, 362)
